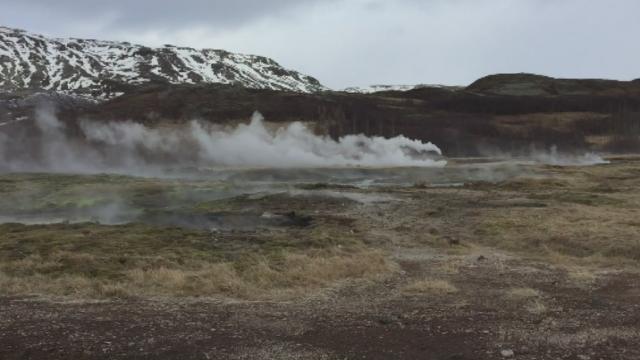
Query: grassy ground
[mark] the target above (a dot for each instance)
(153, 257)
(567, 216)
(91, 260)
(544, 264)
(584, 214)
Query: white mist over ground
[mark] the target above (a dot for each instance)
(296, 146)
(553, 157)
(128, 147)
(547, 156)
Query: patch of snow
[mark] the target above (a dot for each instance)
(377, 88)
(82, 67)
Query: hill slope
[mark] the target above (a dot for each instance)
(104, 69)
(524, 84)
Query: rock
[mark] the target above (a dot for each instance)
(385, 320)
(452, 240)
(507, 353)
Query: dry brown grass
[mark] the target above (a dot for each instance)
(581, 276)
(589, 212)
(597, 228)
(429, 286)
(256, 277)
(522, 293)
(536, 307)
(531, 298)
(451, 265)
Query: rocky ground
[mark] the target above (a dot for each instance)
(540, 264)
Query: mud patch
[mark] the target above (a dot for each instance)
(227, 221)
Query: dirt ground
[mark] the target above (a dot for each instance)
(540, 265)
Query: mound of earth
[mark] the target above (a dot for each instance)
(538, 85)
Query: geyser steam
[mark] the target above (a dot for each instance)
(128, 147)
(295, 146)
(553, 157)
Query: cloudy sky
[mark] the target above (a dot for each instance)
(361, 42)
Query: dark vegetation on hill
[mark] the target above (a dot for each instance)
(496, 114)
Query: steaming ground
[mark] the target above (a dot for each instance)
(131, 148)
(44, 198)
(125, 147)
(185, 200)
(205, 163)
(553, 157)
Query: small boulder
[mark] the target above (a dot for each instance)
(507, 353)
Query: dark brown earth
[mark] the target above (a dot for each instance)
(359, 323)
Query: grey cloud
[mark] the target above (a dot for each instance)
(362, 42)
(143, 14)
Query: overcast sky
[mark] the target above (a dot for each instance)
(361, 42)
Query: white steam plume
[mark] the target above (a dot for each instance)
(128, 147)
(296, 146)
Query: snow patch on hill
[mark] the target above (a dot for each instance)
(102, 69)
(377, 88)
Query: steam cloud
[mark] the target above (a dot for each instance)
(132, 148)
(553, 157)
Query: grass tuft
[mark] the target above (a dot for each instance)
(429, 286)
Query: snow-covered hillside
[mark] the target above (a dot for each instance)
(101, 69)
(377, 88)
